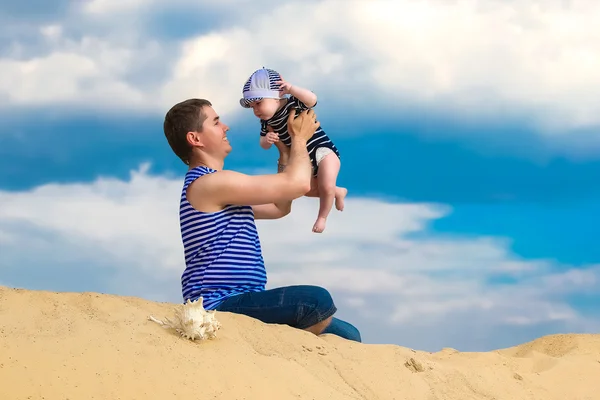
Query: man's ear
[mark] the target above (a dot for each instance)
(194, 139)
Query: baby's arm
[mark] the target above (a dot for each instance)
(304, 95)
(263, 136)
(264, 143)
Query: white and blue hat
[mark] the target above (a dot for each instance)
(261, 85)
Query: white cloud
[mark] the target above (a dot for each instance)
(466, 58)
(129, 222)
(107, 7)
(123, 237)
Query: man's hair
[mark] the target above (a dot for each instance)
(182, 118)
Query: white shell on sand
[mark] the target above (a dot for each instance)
(192, 321)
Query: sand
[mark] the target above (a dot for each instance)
(82, 346)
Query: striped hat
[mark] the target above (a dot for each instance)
(261, 85)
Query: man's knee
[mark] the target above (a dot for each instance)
(322, 297)
(318, 306)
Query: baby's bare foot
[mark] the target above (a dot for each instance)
(319, 225)
(340, 195)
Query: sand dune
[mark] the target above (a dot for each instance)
(81, 346)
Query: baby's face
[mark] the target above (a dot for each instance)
(265, 108)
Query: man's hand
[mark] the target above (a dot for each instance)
(304, 126)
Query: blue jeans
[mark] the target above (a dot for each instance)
(299, 306)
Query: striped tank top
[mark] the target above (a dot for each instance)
(223, 256)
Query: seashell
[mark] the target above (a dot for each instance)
(192, 321)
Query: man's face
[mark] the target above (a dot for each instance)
(214, 133)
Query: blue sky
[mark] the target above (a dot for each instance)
(490, 176)
(495, 194)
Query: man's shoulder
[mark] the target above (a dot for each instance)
(194, 173)
(209, 178)
(202, 187)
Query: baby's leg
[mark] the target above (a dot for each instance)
(314, 188)
(340, 193)
(329, 168)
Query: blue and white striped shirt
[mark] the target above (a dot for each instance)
(223, 256)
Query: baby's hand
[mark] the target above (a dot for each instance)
(271, 136)
(284, 87)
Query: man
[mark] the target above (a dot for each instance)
(218, 208)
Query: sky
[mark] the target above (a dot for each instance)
(468, 131)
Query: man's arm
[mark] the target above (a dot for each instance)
(213, 191)
(278, 209)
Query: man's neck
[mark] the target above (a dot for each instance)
(210, 163)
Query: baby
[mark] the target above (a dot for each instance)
(264, 92)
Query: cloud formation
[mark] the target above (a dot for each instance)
(390, 274)
(467, 59)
